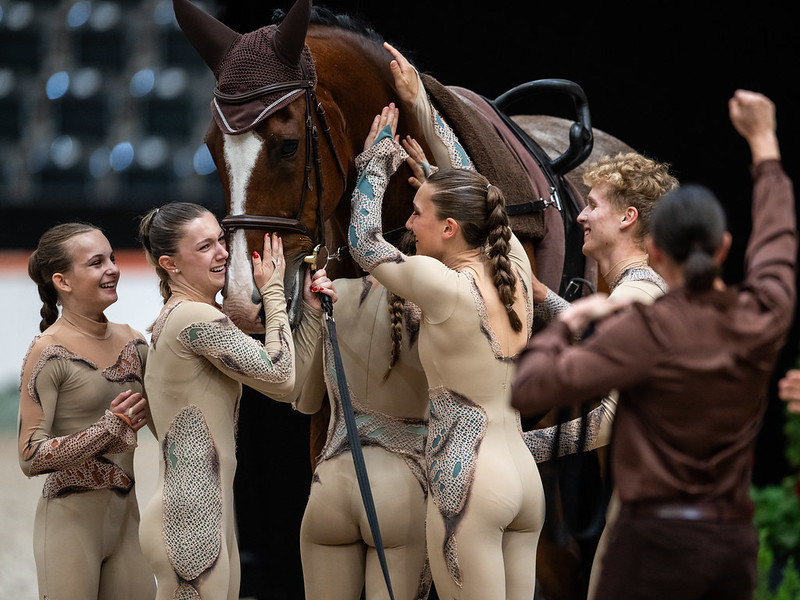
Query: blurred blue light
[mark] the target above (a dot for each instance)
(57, 85)
(104, 16)
(121, 156)
(142, 83)
(86, 82)
(152, 152)
(65, 151)
(203, 163)
(163, 13)
(78, 14)
(7, 81)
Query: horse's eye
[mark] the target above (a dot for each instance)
(288, 148)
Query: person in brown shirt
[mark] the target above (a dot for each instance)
(692, 370)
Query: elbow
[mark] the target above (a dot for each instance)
(283, 391)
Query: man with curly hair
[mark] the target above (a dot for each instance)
(624, 190)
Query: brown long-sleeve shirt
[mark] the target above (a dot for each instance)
(692, 369)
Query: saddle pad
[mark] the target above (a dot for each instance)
(494, 149)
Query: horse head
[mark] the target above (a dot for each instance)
(282, 148)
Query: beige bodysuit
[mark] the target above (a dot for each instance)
(336, 544)
(198, 361)
(86, 541)
(485, 503)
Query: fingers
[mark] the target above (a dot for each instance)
(405, 76)
(418, 173)
(789, 387)
(265, 265)
(414, 150)
(401, 60)
(387, 117)
(321, 284)
(120, 403)
(417, 161)
(132, 406)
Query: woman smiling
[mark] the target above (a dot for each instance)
(200, 360)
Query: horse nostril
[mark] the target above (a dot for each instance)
(255, 296)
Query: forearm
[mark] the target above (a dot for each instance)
(111, 434)
(770, 258)
(376, 165)
(552, 306)
(597, 433)
(444, 145)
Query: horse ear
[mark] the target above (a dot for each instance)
(210, 38)
(290, 38)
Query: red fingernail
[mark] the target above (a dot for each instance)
(255, 254)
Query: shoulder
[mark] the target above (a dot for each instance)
(644, 291)
(125, 331)
(186, 313)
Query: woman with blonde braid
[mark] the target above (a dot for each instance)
(80, 407)
(470, 278)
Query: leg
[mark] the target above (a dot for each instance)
(331, 547)
(400, 505)
(67, 546)
(125, 574)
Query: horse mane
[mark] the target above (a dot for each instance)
(321, 15)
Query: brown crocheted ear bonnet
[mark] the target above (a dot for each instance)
(257, 73)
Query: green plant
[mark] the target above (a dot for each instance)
(777, 517)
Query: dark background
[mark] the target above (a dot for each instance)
(657, 75)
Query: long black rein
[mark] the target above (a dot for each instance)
(248, 221)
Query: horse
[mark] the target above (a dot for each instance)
(285, 138)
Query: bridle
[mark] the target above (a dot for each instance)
(313, 162)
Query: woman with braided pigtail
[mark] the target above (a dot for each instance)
(81, 406)
(469, 277)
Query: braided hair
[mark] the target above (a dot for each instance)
(397, 306)
(479, 208)
(689, 226)
(53, 255)
(160, 232)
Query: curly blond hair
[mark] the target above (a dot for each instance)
(632, 180)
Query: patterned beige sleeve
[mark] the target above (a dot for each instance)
(111, 434)
(242, 357)
(42, 453)
(552, 306)
(598, 432)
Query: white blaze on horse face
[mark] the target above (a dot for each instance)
(241, 153)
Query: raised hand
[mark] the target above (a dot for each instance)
(420, 167)
(272, 258)
(405, 76)
(388, 116)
